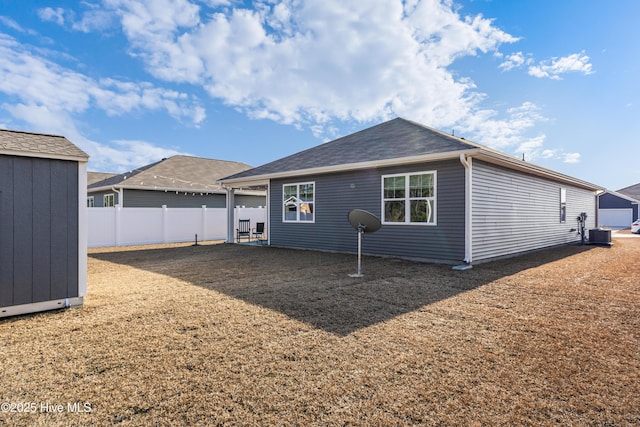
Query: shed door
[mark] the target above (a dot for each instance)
(615, 218)
(38, 230)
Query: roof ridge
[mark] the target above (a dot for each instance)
(33, 133)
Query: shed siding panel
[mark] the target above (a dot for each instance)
(514, 212)
(42, 230)
(336, 194)
(39, 228)
(23, 232)
(6, 231)
(70, 175)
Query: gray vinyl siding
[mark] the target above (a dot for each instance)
(336, 194)
(38, 230)
(514, 212)
(155, 199)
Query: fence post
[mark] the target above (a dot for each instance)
(204, 223)
(118, 224)
(165, 221)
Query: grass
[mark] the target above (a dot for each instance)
(235, 335)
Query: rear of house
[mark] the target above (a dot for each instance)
(42, 223)
(440, 198)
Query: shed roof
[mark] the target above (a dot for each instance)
(397, 141)
(174, 173)
(20, 143)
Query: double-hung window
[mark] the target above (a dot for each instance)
(298, 202)
(409, 198)
(108, 200)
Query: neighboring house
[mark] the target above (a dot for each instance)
(43, 223)
(175, 182)
(440, 198)
(632, 191)
(616, 210)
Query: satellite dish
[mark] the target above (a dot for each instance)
(364, 222)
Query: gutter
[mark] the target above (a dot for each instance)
(468, 209)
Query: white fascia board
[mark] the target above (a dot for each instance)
(44, 155)
(263, 179)
(155, 188)
(517, 164)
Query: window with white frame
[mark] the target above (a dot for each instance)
(563, 205)
(90, 202)
(108, 200)
(409, 198)
(298, 202)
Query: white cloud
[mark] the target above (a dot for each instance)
(49, 14)
(515, 60)
(572, 158)
(309, 63)
(555, 67)
(50, 98)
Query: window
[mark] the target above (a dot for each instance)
(90, 202)
(298, 202)
(108, 200)
(563, 205)
(409, 198)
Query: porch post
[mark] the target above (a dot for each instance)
(230, 214)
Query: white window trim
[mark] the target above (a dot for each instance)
(91, 202)
(104, 200)
(407, 198)
(298, 202)
(563, 205)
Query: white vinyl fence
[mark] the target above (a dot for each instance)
(116, 226)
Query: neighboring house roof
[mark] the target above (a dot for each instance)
(397, 141)
(93, 177)
(174, 173)
(632, 191)
(20, 143)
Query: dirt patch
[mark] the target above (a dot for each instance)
(236, 335)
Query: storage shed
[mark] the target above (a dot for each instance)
(43, 223)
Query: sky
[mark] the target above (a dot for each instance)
(134, 81)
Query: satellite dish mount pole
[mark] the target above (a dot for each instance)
(362, 221)
(361, 229)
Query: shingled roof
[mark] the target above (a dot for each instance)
(397, 138)
(30, 144)
(174, 173)
(397, 141)
(632, 191)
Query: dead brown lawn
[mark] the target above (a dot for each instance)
(235, 335)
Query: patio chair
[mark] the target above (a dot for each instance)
(244, 229)
(258, 232)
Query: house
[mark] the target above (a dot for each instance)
(175, 182)
(440, 198)
(43, 239)
(616, 209)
